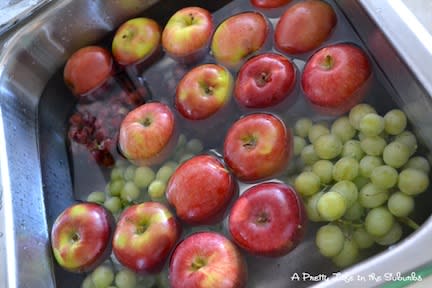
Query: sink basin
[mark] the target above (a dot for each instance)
(35, 173)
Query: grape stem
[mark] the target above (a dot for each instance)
(349, 223)
(409, 222)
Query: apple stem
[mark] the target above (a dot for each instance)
(146, 122)
(198, 263)
(328, 62)
(250, 142)
(263, 79)
(262, 218)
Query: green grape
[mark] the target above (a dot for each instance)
(358, 112)
(316, 131)
(125, 279)
(311, 207)
(185, 157)
(345, 168)
(302, 126)
(122, 163)
(362, 238)
(409, 139)
(413, 181)
(331, 206)
(395, 122)
(162, 280)
(299, 144)
(102, 276)
(328, 146)
(384, 176)
(307, 168)
(368, 163)
(113, 204)
(117, 173)
(88, 282)
(96, 197)
(379, 221)
(360, 182)
(129, 173)
(372, 196)
(343, 129)
(373, 145)
(156, 189)
(329, 240)
(418, 162)
(371, 124)
(130, 192)
(361, 136)
(194, 146)
(112, 287)
(400, 204)
(355, 212)
(143, 176)
(307, 183)
(116, 186)
(173, 164)
(348, 256)
(353, 149)
(393, 236)
(164, 173)
(323, 169)
(396, 154)
(308, 155)
(348, 190)
(181, 141)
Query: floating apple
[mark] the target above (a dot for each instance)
(304, 26)
(200, 190)
(238, 37)
(207, 259)
(145, 235)
(269, 3)
(81, 237)
(257, 146)
(203, 91)
(148, 134)
(187, 34)
(335, 78)
(264, 80)
(268, 219)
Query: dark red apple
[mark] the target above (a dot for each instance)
(205, 260)
(257, 146)
(264, 81)
(304, 26)
(200, 190)
(148, 134)
(81, 237)
(145, 235)
(269, 3)
(335, 78)
(268, 219)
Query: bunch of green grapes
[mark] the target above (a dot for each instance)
(361, 174)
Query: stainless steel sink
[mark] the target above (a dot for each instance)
(35, 174)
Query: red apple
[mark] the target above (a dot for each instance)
(81, 237)
(200, 190)
(145, 235)
(136, 40)
(257, 146)
(203, 91)
(148, 134)
(207, 259)
(269, 3)
(268, 219)
(238, 37)
(87, 69)
(335, 78)
(187, 34)
(304, 26)
(264, 81)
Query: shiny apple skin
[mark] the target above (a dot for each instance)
(264, 81)
(304, 26)
(87, 69)
(203, 91)
(257, 146)
(223, 265)
(336, 78)
(200, 190)
(144, 237)
(81, 237)
(268, 219)
(269, 3)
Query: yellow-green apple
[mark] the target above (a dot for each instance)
(203, 91)
(238, 37)
(336, 78)
(87, 69)
(148, 134)
(257, 146)
(200, 190)
(268, 219)
(81, 237)
(264, 80)
(144, 237)
(304, 26)
(136, 40)
(269, 3)
(187, 34)
(207, 259)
